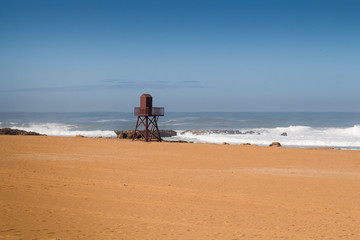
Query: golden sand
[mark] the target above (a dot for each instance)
(93, 188)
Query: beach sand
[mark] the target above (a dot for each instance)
(97, 188)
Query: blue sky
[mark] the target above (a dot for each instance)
(69, 55)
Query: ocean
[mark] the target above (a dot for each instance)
(338, 130)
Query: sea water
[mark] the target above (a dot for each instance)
(339, 130)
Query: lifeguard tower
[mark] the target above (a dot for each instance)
(146, 125)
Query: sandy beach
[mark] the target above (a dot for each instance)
(97, 188)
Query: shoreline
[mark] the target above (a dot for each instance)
(303, 130)
(166, 136)
(223, 143)
(103, 188)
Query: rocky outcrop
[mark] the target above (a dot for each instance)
(283, 134)
(167, 133)
(10, 131)
(205, 132)
(126, 134)
(130, 133)
(275, 144)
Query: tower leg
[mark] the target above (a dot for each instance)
(155, 129)
(137, 131)
(146, 129)
(150, 129)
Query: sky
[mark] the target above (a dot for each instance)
(191, 56)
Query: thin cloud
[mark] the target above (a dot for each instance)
(190, 81)
(112, 84)
(116, 81)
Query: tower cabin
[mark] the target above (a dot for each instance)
(146, 126)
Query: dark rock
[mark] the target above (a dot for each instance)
(284, 134)
(167, 133)
(10, 131)
(130, 133)
(196, 132)
(205, 132)
(249, 132)
(79, 136)
(123, 135)
(225, 143)
(275, 144)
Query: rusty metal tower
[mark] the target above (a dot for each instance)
(146, 125)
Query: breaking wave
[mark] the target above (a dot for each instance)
(339, 130)
(297, 136)
(113, 120)
(58, 129)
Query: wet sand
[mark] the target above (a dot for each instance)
(95, 188)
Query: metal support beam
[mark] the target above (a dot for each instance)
(147, 128)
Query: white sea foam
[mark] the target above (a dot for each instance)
(114, 120)
(299, 136)
(65, 130)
